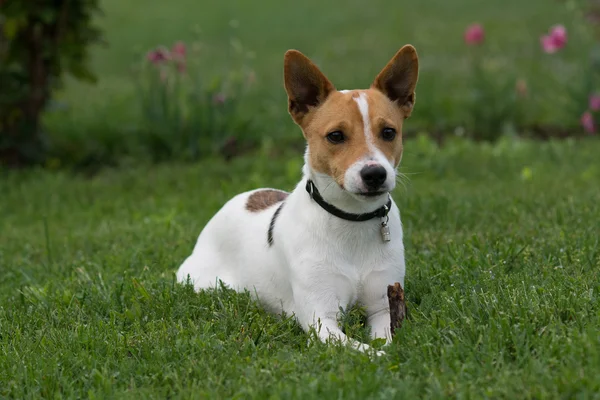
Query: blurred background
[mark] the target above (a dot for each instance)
(88, 83)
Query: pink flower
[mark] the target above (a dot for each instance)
(559, 34)
(548, 44)
(179, 49)
(587, 121)
(178, 52)
(595, 102)
(157, 56)
(474, 34)
(556, 40)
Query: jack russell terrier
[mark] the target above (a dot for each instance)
(337, 238)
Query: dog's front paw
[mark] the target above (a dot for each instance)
(365, 348)
(380, 353)
(373, 351)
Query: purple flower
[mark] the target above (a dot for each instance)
(179, 49)
(587, 121)
(595, 102)
(158, 56)
(556, 40)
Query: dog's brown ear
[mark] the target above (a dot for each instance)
(305, 84)
(398, 79)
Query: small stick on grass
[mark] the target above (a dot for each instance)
(397, 306)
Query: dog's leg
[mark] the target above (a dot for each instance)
(379, 322)
(376, 301)
(327, 328)
(318, 310)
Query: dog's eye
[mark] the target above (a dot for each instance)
(335, 137)
(388, 134)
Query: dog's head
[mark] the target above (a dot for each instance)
(354, 136)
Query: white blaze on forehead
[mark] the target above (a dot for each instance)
(375, 152)
(363, 107)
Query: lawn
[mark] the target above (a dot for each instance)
(502, 283)
(502, 240)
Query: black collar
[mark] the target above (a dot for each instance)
(381, 212)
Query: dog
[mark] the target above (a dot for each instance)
(337, 238)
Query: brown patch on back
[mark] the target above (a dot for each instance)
(263, 199)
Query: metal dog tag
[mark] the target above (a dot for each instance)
(385, 232)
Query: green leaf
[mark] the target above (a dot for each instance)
(378, 343)
(141, 289)
(11, 27)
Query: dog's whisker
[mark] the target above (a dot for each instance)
(403, 184)
(402, 178)
(409, 173)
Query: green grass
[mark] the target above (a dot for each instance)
(350, 40)
(503, 262)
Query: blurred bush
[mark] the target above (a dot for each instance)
(40, 42)
(184, 106)
(184, 111)
(188, 100)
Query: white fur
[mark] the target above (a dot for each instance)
(317, 263)
(363, 107)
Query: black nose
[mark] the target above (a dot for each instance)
(373, 176)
